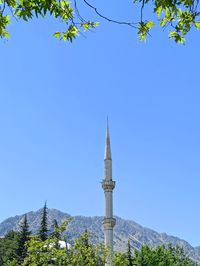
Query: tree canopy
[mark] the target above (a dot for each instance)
(23, 237)
(56, 251)
(180, 16)
(43, 249)
(43, 231)
(8, 247)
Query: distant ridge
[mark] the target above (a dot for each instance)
(124, 230)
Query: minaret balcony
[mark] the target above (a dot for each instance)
(108, 223)
(108, 185)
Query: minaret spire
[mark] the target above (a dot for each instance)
(107, 147)
(108, 185)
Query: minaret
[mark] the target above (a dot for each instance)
(108, 185)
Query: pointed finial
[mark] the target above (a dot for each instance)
(107, 147)
(107, 129)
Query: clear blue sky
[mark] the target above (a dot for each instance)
(54, 99)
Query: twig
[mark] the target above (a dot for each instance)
(141, 11)
(131, 24)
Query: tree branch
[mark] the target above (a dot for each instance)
(131, 24)
(141, 12)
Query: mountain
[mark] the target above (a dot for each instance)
(123, 231)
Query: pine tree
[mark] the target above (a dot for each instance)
(129, 254)
(23, 237)
(55, 227)
(43, 231)
(85, 238)
(56, 234)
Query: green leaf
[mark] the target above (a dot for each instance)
(197, 25)
(177, 37)
(57, 35)
(158, 11)
(150, 24)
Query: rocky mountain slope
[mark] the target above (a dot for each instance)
(124, 230)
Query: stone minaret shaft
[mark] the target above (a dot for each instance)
(108, 185)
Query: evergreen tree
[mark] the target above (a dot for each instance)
(85, 238)
(8, 247)
(43, 231)
(129, 254)
(23, 237)
(56, 232)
